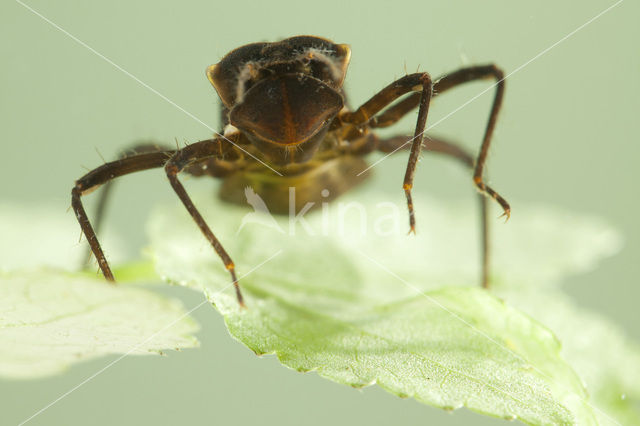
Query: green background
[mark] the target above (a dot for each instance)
(567, 137)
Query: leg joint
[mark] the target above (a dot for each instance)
(497, 72)
(171, 168)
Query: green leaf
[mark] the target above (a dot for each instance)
(332, 303)
(140, 271)
(50, 319)
(540, 246)
(537, 247)
(37, 235)
(599, 351)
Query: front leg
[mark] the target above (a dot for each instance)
(464, 75)
(418, 82)
(137, 149)
(100, 176)
(177, 163)
(173, 162)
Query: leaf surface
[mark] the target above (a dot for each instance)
(361, 308)
(50, 320)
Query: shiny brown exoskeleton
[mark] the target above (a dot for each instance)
(286, 125)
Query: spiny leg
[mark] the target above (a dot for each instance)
(392, 114)
(175, 165)
(418, 82)
(471, 74)
(100, 176)
(451, 149)
(173, 161)
(105, 191)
